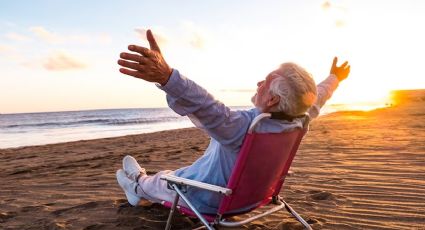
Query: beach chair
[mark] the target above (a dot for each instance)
(257, 177)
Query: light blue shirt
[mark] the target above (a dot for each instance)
(227, 130)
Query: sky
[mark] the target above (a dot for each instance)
(58, 55)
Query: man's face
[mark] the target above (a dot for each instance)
(262, 96)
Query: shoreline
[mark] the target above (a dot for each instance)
(95, 139)
(148, 132)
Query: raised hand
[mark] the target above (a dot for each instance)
(146, 64)
(340, 72)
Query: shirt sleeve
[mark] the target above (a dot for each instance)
(187, 98)
(324, 91)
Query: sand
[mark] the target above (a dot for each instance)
(354, 170)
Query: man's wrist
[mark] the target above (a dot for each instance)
(335, 77)
(165, 81)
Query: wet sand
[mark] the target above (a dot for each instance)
(354, 170)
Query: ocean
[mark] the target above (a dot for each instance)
(27, 129)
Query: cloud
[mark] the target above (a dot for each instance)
(326, 5)
(55, 38)
(197, 41)
(46, 35)
(196, 36)
(188, 35)
(337, 13)
(160, 38)
(60, 61)
(5, 48)
(17, 37)
(339, 23)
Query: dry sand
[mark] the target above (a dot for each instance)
(354, 170)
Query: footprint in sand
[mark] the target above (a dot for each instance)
(95, 227)
(173, 155)
(55, 225)
(294, 225)
(321, 195)
(144, 159)
(4, 216)
(148, 150)
(20, 171)
(196, 148)
(32, 208)
(152, 216)
(327, 196)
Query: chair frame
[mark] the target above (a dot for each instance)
(180, 185)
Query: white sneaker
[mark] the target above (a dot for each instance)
(132, 168)
(128, 186)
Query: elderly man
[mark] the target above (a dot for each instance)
(289, 90)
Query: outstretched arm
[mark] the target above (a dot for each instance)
(326, 88)
(184, 96)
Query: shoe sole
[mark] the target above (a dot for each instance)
(131, 198)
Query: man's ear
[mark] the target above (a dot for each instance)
(273, 100)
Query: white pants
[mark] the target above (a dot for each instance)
(155, 190)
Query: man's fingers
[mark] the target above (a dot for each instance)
(345, 64)
(152, 42)
(141, 50)
(334, 61)
(133, 57)
(131, 65)
(133, 73)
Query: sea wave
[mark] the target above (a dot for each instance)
(109, 121)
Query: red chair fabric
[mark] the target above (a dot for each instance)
(262, 164)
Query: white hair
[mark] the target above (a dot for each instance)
(296, 89)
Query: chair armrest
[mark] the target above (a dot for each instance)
(194, 183)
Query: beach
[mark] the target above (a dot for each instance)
(354, 170)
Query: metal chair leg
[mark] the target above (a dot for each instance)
(296, 215)
(173, 208)
(198, 214)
